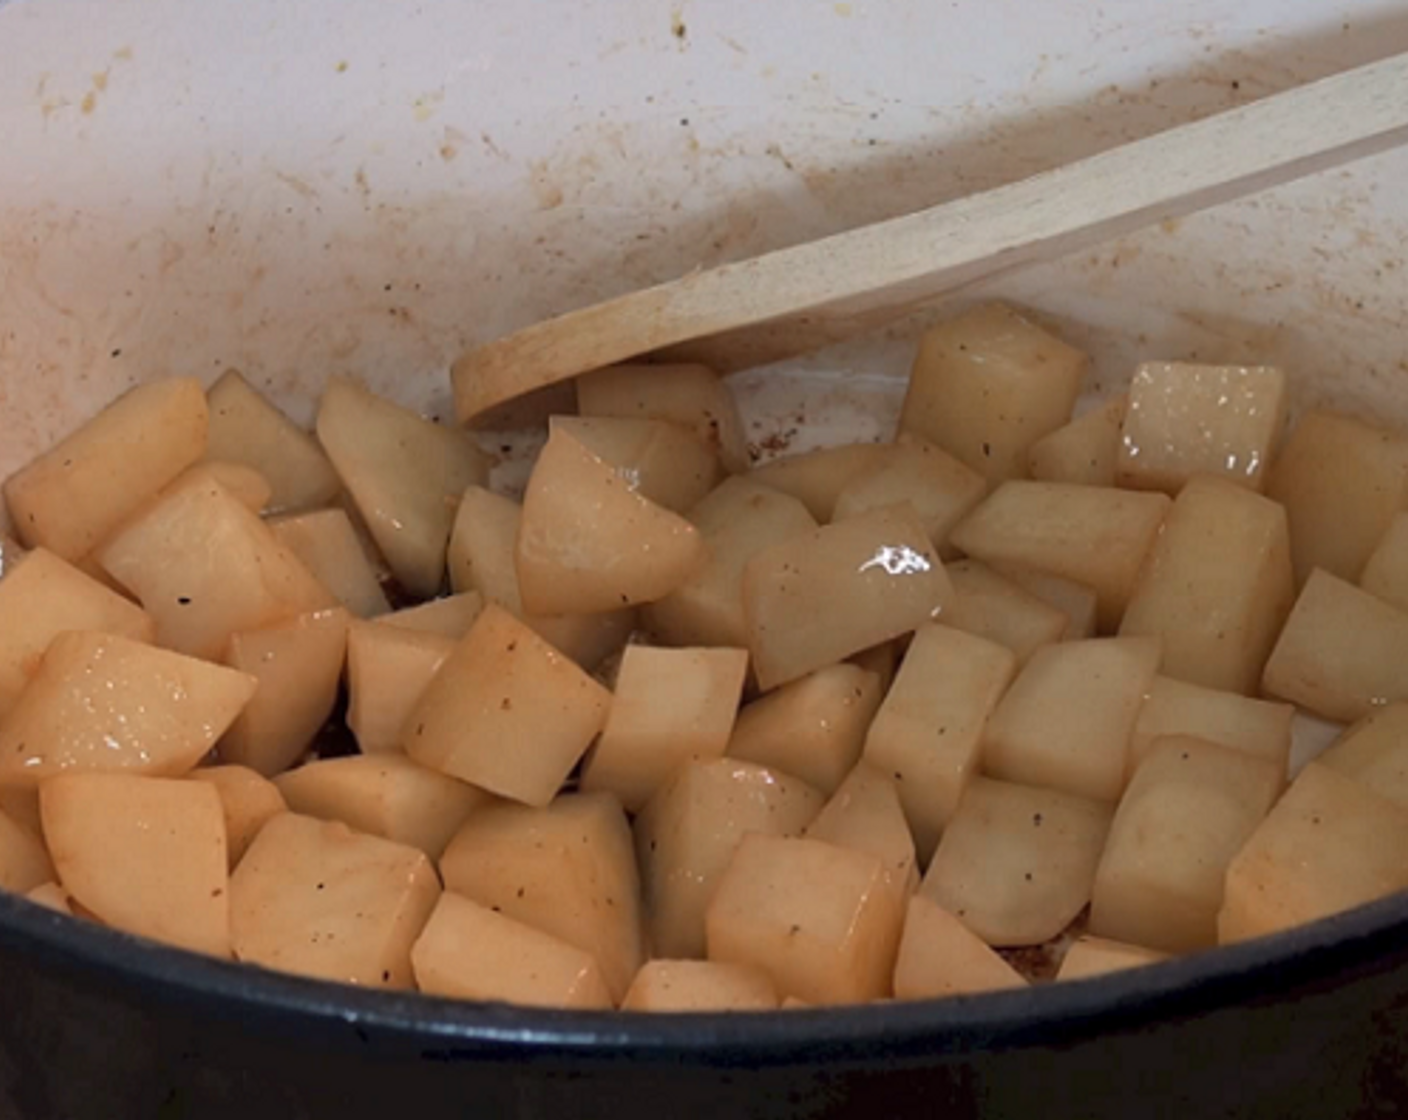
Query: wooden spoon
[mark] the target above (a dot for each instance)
(817, 292)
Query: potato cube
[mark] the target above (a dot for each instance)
(146, 855)
(989, 384)
(991, 606)
(24, 861)
(1188, 810)
(588, 639)
(1074, 600)
(663, 462)
(468, 951)
(506, 712)
(687, 833)
(248, 800)
(1374, 752)
(21, 805)
(1260, 728)
(1341, 652)
(930, 727)
(865, 814)
(52, 897)
(1386, 570)
(940, 956)
(877, 574)
(388, 670)
(1068, 719)
(1084, 451)
(450, 617)
(250, 488)
(882, 660)
(1087, 534)
(71, 497)
(1329, 844)
(816, 478)
(101, 702)
(1017, 863)
(1096, 956)
(567, 870)
(700, 986)
(329, 547)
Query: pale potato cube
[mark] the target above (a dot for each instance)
(567, 870)
(663, 462)
(506, 712)
(820, 920)
(1017, 863)
(246, 428)
(388, 670)
(1086, 534)
(929, 729)
(450, 617)
(989, 384)
(52, 897)
(405, 474)
(249, 801)
(1342, 482)
(101, 702)
(588, 542)
(816, 478)
(700, 986)
(737, 521)
(588, 639)
(1386, 570)
(329, 547)
(992, 606)
(1096, 956)
(1340, 654)
(1186, 420)
(940, 956)
(817, 598)
(146, 855)
(865, 814)
(1188, 810)
(71, 497)
(248, 486)
(1068, 719)
(813, 728)
(687, 833)
(670, 706)
(384, 795)
(1075, 600)
(1260, 728)
(298, 665)
(1085, 451)
(1330, 844)
(1374, 752)
(468, 951)
(24, 861)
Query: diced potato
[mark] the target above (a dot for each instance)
(883, 660)
(1084, 451)
(405, 473)
(388, 670)
(737, 521)
(877, 574)
(1261, 728)
(298, 665)
(993, 607)
(664, 462)
(1068, 719)
(1186, 420)
(52, 897)
(24, 861)
(940, 956)
(700, 986)
(1374, 752)
(816, 478)
(1017, 863)
(248, 486)
(670, 706)
(567, 869)
(1096, 956)
(468, 951)
(1330, 844)
(21, 805)
(71, 497)
(587, 542)
(1386, 570)
(865, 814)
(1342, 482)
(1341, 652)
(328, 546)
(693, 396)
(249, 801)
(1087, 534)
(928, 731)
(506, 712)
(1188, 810)
(315, 898)
(246, 428)
(813, 728)
(1075, 600)
(987, 385)
(820, 920)
(687, 834)
(146, 855)
(587, 639)
(101, 702)
(450, 617)
(384, 795)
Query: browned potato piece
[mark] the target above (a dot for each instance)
(388, 670)
(816, 478)
(329, 547)
(146, 855)
(817, 598)
(820, 920)
(687, 834)
(100, 702)
(1095, 956)
(1328, 845)
(1068, 718)
(1186, 420)
(468, 951)
(1074, 600)
(1084, 451)
(992, 606)
(1342, 482)
(1260, 728)
(506, 712)
(1386, 571)
(567, 870)
(700, 986)
(1016, 863)
(24, 861)
(249, 801)
(940, 956)
(1188, 810)
(664, 462)
(71, 497)
(865, 814)
(1341, 652)
(1086, 534)
(987, 385)
(450, 617)
(1374, 752)
(930, 727)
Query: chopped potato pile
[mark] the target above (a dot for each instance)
(674, 732)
